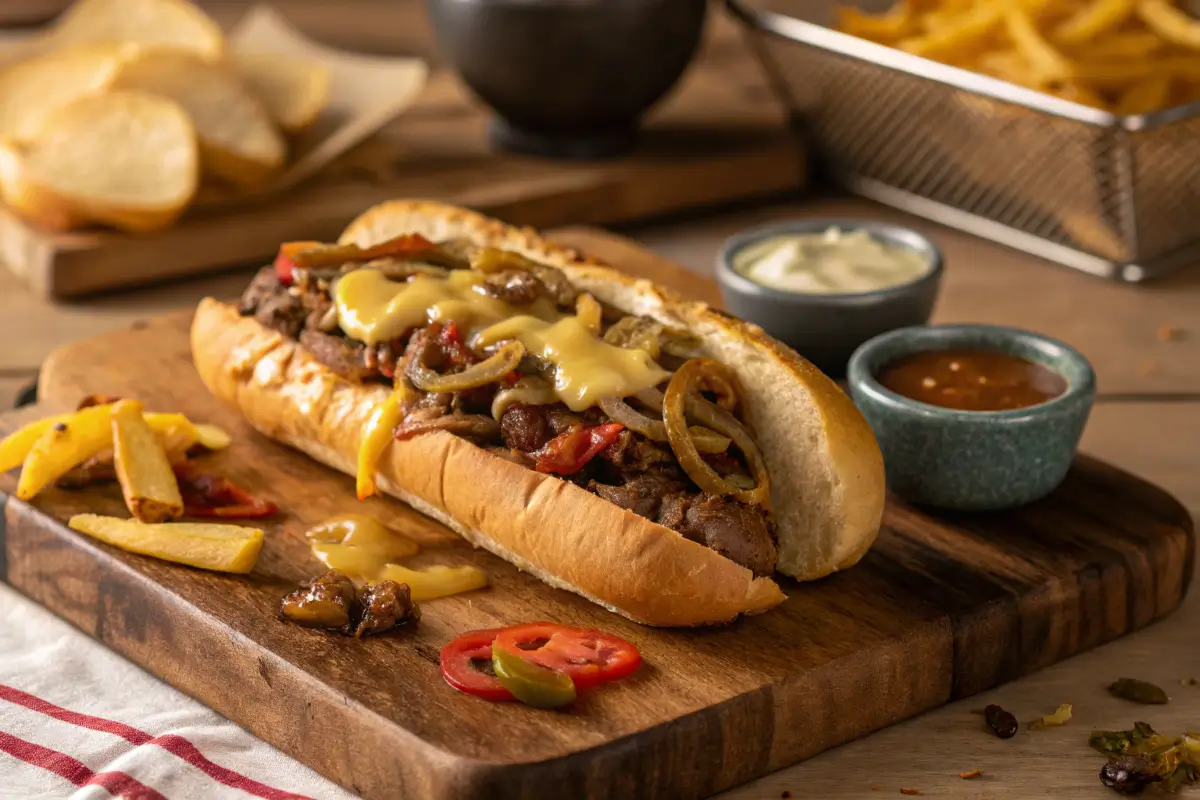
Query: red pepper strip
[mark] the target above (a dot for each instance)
(334, 255)
(214, 496)
(568, 452)
(285, 262)
(452, 345)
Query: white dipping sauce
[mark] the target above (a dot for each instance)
(832, 262)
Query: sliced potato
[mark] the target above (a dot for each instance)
(127, 159)
(238, 141)
(223, 548)
(33, 89)
(173, 24)
(435, 582)
(63, 445)
(293, 90)
(143, 470)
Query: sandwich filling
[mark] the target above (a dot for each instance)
(503, 351)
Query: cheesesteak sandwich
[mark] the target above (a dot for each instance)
(651, 454)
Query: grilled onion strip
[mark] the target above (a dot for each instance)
(683, 398)
(706, 441)
(589, 312)
(490, 370)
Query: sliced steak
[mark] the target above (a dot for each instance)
(339, 354)
(514, 286)
(476, 427)
(735, 530)
(264, 284)
(282, 311)
(642, 495)
(525, 427)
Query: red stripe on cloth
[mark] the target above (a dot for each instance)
(172, 743)
(117, 784)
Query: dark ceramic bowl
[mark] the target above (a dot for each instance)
(973, 460)
(568, 78)
(826, 328)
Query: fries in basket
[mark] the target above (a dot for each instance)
(1124, 56)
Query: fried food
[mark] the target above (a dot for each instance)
(222, 548)
(1124, 56)
(143, 469)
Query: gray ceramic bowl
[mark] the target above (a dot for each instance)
(568, 78)
(973, 460)
(826, 328)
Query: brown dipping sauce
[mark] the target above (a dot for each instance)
(972, 380)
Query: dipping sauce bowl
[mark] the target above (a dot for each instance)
(826, 326)
(971, 460)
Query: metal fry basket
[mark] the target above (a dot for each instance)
(1115, 196)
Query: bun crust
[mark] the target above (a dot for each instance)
(826, 467)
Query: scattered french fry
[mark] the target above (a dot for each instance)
(15, 447)
(223, 548)
(147, 481)
(64, 443)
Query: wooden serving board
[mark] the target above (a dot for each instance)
(942, 607)
(721, 136)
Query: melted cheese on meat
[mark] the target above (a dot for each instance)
(586, 367)
(373, 309)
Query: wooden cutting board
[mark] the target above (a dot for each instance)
(720, 136)
(942, 607)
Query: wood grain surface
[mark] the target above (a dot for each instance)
(940, 609)
(720, 135)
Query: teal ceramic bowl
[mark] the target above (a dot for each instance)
(973, 460)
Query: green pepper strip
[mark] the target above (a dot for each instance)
(531, 683)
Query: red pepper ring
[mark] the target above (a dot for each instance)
(466, 665)
(589, 656)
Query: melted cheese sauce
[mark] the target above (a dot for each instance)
(373, 309)
(586, 367)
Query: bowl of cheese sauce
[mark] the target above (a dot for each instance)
(824, 287)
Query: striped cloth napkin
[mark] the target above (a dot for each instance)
(79, 721)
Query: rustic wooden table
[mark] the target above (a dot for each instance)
(1143, 341)
(1145, 345)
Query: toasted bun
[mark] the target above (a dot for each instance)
(127, 159)
(31, 90)
(171, 24)
(238, 141)
(293, 90)
(826, 466)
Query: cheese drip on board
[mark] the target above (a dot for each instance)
(372, 309)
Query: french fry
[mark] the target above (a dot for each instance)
(1095, 18)
(1146, 95)
(1170, 23)
(957, 36)
(1117, 46)
(1117, 55)
(223, 548)
(212, 437)
(1047, 64)
(15, 447)
(147, 481)
(434, 582)
(65, 442)
(895, 24)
